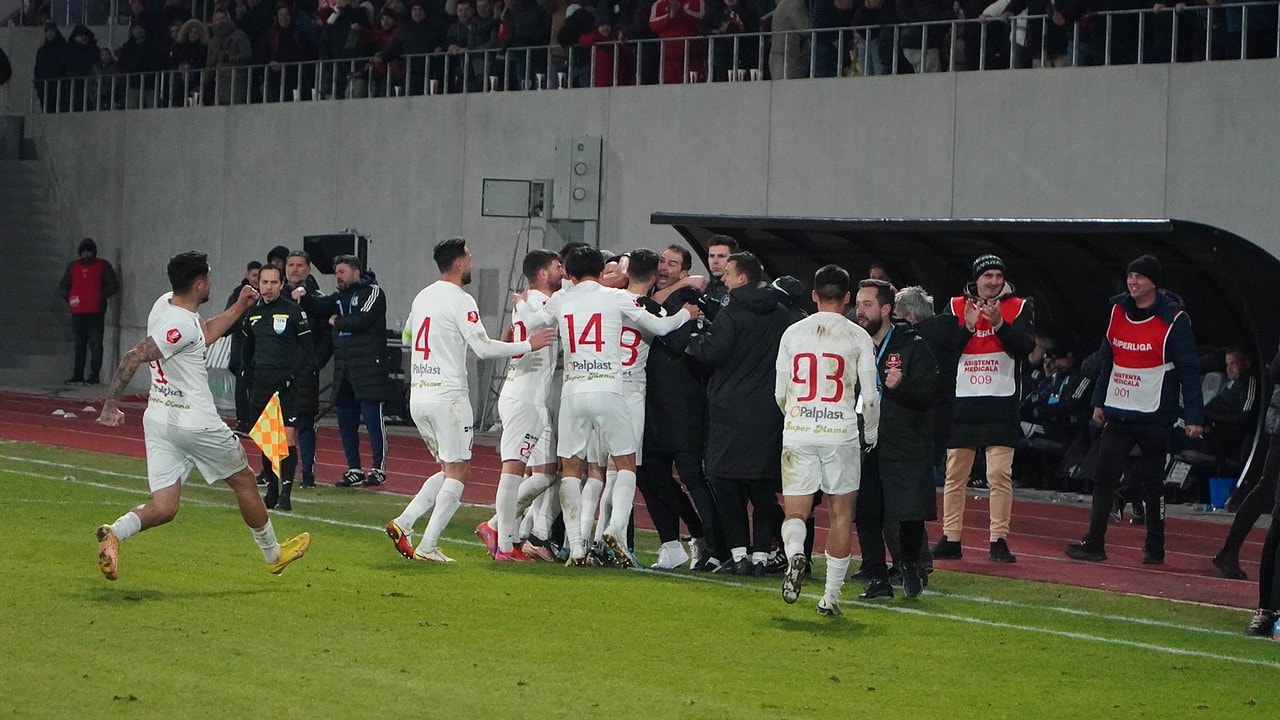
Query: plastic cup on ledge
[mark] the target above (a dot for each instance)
(539, 78)
(755, 75)
(693, 76)
(560, 81)
(435, 87)
(739, 75)
(397, 90)
(493, 83)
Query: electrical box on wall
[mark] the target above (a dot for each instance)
(515, 198)
(576, 181)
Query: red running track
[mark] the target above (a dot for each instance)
(1040, 529)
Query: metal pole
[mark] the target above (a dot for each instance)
(840, 53)
(617, 51)
(982, 46)
(734, 69)
(1106, 51)
(1142, 36)
(1075, 44)
(1244, 31)
(1044, 43)
(896, 50)
(813, 54)
(1208, 34)
(951, 48)
(1173, 41)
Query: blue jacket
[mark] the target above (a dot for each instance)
(1180, 349)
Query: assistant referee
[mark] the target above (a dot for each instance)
(278, 346)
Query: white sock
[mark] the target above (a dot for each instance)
(571, 508)
(531, 488)
(421, 503)
(605, 515)
(265, 536)
(127, 526)
(447, 502)
(738, 553)
(548, 508)
(624, 497)
(837, 568)
(759, 558)
(793, 532)
(505, 502)
(591, 493)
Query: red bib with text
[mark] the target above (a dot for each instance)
(1138, 366)
(986, 369)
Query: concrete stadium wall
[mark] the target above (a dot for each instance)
(1190, 141)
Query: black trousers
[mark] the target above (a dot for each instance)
(1118, 439)
(1256, 501)
(87, 328)
(1268, 573)
(733, 494)
(244, 388)
(696, 507)
(868, 516)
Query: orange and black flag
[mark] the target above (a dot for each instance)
(268, 432)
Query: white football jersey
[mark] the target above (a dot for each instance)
(826, 364)
(443, 322)
(529, 376)
(635, 351)
(590, 319)
(180, 394)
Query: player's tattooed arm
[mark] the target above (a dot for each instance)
(144, 352)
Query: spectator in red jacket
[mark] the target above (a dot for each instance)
(381, 39)
(282, 48)
(600, 43)
(677, 20)
(87, 285)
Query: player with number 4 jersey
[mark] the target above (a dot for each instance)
(444, 322)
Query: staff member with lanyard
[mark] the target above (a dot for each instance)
(897, 475)
(1149, 352)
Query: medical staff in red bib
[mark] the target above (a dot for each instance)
(997, 330)
(1147, 357)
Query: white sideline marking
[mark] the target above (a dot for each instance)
(728, 583)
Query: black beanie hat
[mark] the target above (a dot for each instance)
(985, 263)
(87, 244)
(1148, 265)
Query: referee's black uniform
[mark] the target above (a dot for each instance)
(278, 347)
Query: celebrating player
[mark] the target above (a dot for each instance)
(590, 321)
(181, 424)
(826, 363)
(443, 322)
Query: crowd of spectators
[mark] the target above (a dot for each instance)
(526, 44)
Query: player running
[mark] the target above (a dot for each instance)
(826, 364)
(443, 322)
(181, 423)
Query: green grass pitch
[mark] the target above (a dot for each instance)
(196, 627)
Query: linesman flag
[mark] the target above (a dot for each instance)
(268, 432)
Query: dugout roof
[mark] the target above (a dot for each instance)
(1070, 267)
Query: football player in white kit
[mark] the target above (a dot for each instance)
(526, 422)
(826, 365)
(443, 322)
(590, 323)
(181, 423)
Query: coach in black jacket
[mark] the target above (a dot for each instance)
(897, 475)
(744, 432)
(303, 289)
(358, 317)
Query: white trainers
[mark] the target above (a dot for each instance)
(671, 556)
(577, 554)
(434, 555)
(791, 582)
(829, 606)
(697, 551)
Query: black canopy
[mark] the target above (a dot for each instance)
(1070, 267)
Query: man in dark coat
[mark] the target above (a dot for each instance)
(675, 416)
(235, 364)
(988, 391)
(51, 59)
(897, 475)
(302, 287)
(744, 447)
(358, 316)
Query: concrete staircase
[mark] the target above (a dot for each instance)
(35, 327)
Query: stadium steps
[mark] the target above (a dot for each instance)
(34, 324)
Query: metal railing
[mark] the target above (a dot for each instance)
(1103, 38)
